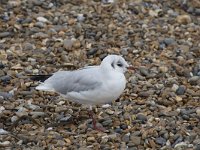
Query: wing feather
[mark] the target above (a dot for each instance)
(72, 81)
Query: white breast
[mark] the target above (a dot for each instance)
(110, 90)
(115, 87)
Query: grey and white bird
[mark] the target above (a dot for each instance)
(90, 85)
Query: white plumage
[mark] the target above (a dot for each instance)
(90, 85)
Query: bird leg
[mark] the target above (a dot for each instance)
(94, 123)
(91, 115)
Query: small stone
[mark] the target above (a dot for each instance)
(42, 19)
(124, 51)
(66, 118)
(163, 69)
(152, 143)
(4, 144)
(91, 139)
(178, 98)
(107, 1)
(5, 78)
(71, 21)
(144, 71)
(184, 48)
(51, 31)
(2, 109)
(110, 136)
(172, 13)
(40, 24)
(37, 114)
(146, 93)
(60, 143)
(2, 131)
(76, 43)
(5, 17)
(141, 117)
(68, 141)
(118, 130)
(50, 128)
(175, 87)
(181, 146)
(124, 126)
(106, 106)
(196, 141)
(109, 111)
(194, 80)
(81, 17)
(82, 126)
(160, 141)
(17, 67)
(136, 133)
(14, 3)
(185, 117)
(50, 5)
(198, 111)
(5, 95)
(67, 44)
(126, 137)
(14, 118)
(184, 19)
(61, 103)
(31, 59)
(35, 71)
(107, 122)
(28, 46)
(92, 51)
(1, 67)
(134, 80)
(181, 90)
(135, 51)
(33, 107)
(153, 13)
(197, 11)
(169, 41)
(136, 139)
(166, 135)
(27, 20)
(40, 35)
(198, 145)
(186, 112)
(26, 93)
(5, 34)
(20, 114)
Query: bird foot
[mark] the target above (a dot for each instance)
(99, 128)
(96, 126)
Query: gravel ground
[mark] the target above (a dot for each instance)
(160, 109)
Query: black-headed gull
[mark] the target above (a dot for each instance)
(90, 85)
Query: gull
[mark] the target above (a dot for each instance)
(90, 85)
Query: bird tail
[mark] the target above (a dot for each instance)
(40, 78)
(45, 87)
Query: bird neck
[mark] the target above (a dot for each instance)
(106, 66)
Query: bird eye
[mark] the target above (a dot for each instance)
(119, 64)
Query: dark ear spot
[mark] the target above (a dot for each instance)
(112, 64)
(119, 63)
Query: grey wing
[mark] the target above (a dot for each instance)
(77, 81)
(87, 67)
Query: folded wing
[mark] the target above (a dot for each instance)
(64, 82)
